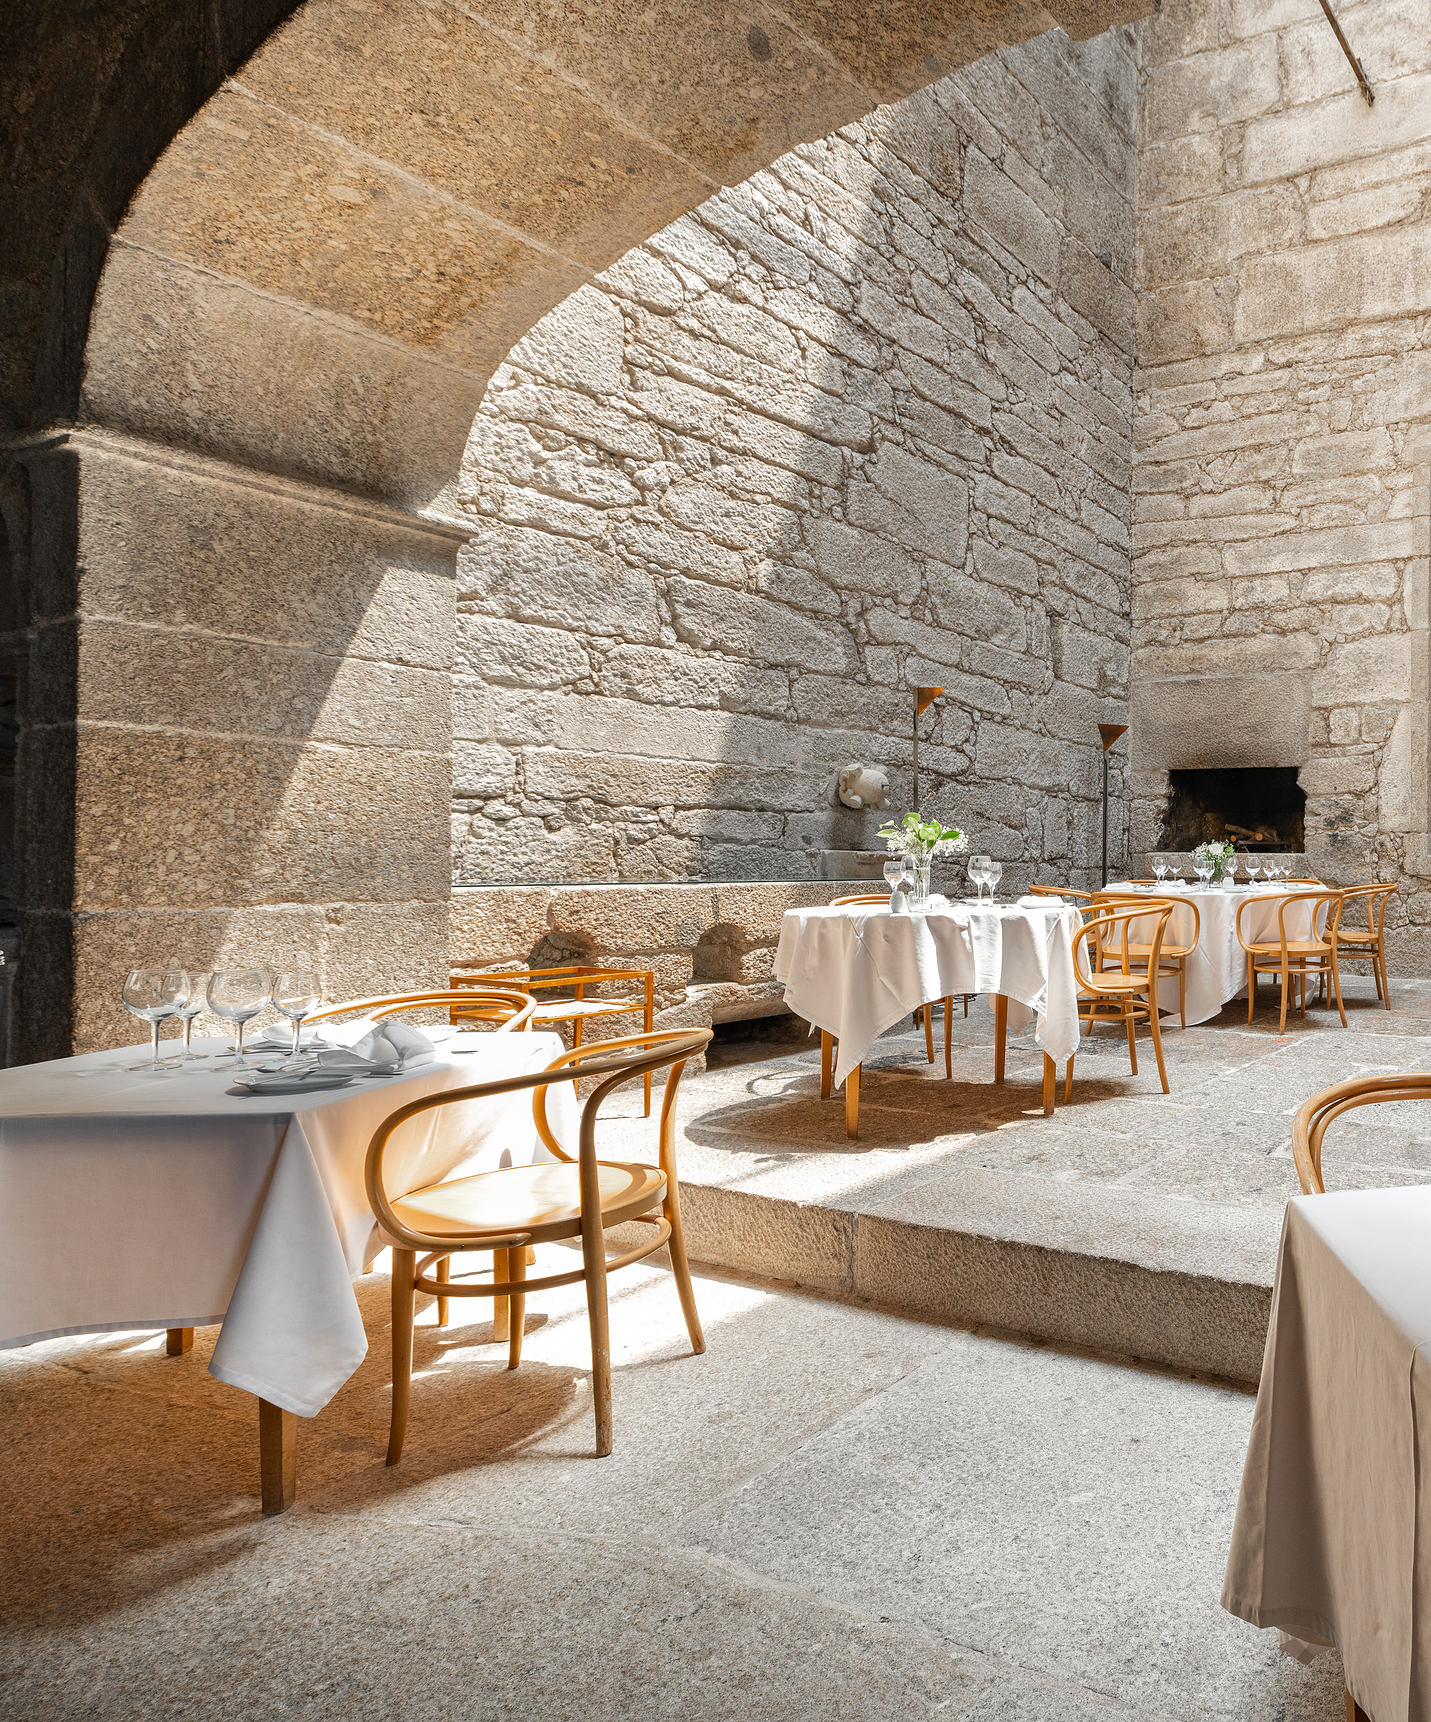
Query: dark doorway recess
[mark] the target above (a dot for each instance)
(1259, 808)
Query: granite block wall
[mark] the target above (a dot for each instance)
(1283, 424)
(860, 423)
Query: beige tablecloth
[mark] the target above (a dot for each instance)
(857, 970)
(1333, 1532)
(138, 1201)
(1217, 969)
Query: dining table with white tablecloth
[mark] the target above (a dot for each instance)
(856, 969)
(140, 1199)
(1217, 967)
(1332, 1541)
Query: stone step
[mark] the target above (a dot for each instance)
(1164, 1280)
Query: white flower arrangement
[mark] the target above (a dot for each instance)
(1215, 854)
(925, 838)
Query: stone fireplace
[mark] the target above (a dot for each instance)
(1259, 808)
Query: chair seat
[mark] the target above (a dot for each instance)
(1350, 936)
(1295, 948)
(564, 1010)
(544, 1200)
(1111, 982)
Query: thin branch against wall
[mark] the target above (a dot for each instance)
(1355, 63)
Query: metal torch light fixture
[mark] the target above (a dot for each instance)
(1108, 733)
(923, 699)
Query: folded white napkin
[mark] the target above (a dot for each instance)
(1041, 902)
(386, 1049)
(281, 1034)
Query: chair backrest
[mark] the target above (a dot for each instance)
(576, 977)
(1107, 926)
(1313, 900)
(864, 897)
(1185, 902)
(507, 1007)
(612, 1061)
(1310, 1124)
(1376, 897)
(1059, 891)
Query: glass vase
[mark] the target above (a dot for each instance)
(919, 896)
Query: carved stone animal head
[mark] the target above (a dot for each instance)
(863, 786)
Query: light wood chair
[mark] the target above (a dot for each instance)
(573, 979)
(1310, 1124)
(1061, 891)
(1174, 957)
(1295, 959)
(1130, 992)
(1368, 941)
(511, 1210)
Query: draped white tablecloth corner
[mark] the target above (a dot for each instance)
(1332, 1541)
(1217, 969)
(856, 970)
(141, 1201)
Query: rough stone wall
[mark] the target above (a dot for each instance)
(1284, 423)
(858, 424)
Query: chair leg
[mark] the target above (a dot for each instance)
(1355, 1713)
(1251, 984)
(1050, 1085)
(178, 1340)
(966, 1005)
(277, 1458)
(681, 1268)
(1068, 1082)
(1337, 987)
(444, 1268)
(516, 1273)
(929, 1033)
(1132, 1036)
(404, 1291)
(852, 1104)
(1282, 1025)
(948, 1031)
(1385, 980)
(1157, 1029)
(827, 1048)
(593, 1251)
(1183, 991)
(501, 1307)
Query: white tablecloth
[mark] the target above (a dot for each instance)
(135, 1201)
(1217, 969)
(857, 970)
(1333, 1532)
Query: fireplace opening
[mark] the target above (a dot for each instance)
(1261, 808)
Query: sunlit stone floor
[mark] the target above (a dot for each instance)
(835, 1513)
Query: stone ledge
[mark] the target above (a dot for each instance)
(1167, 1281)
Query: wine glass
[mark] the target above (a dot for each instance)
(893, 874)
(1252, 869)
(993, 872)
(979, 874)
(154, 995)
(191, 1007)
(237, 995)
(1229, 870)
(1203, 871)
(298, 994)
(1160, 868)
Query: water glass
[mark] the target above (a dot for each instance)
(154, 995)
(1203, 871)
(298, 994)
(191, 1007)
(993, 872)
(238, 995)
(1160, 868)
(979, 874)
(1229, 870)
(1252, 869)
(894, 872)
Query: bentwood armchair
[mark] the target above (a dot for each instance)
(511, 1210)
(573, 979)
(1128, 991)
(1310, 1124)
(1368, 941)
(1291, 958)
(1173, 960)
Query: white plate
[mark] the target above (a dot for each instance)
(298, 1083)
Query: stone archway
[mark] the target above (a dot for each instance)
(236, 629)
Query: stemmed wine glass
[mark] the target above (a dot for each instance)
(993, 872)
(1229, 870)
(979, 874)
(1160, 868)
(298, 994)
(1252, 869)
(237, 995)
(154, 995)
(1203, 871)
(191, 1007)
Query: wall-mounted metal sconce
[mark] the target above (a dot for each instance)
(1108, 733)
(923, 699)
